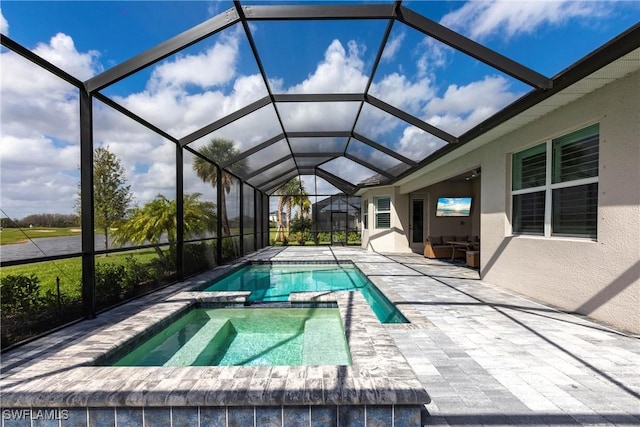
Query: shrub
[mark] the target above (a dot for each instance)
(109, 282)
(135, 272)
(324, 237)
(230, 248)
(20, 294)
(339, 236)
(198, 256)
(300, 225)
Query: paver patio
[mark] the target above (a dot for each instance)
(484, 355)
(488, 357)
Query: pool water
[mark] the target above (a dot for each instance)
(246, 337)
(275, 283)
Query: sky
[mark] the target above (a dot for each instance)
(39, 138)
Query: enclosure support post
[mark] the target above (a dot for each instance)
(179, 215)
(241, 218)
(86, 204)
(219, 218)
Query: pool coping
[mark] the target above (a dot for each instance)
(378, 375)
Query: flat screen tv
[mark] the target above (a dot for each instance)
(453, 206)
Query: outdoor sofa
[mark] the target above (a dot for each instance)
(437, 246)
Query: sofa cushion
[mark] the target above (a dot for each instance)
(446, 239)
(435, 240)
(462, 238)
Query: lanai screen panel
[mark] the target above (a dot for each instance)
(194, 87)
(317, 56)
(200, 179)
(317, 185)
(273, 174)
(319, 145)
(39, 154)
(443, 87)
(246, 132)
(318, 116)
(396, 134)
(366, 153)
(261, 159)
(348, 170)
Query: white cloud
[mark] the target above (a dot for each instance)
(392, 47)
(482, 19)
(61, 51)
(170, 102)
(322, 116)
(339, 72)
(399, 91)
(417, 144)
(462, 107)
(348, 170)
(434, 55)
(39, 146)
(4, 25)
(214, 67)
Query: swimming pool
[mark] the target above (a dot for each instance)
(244, 337)
(275, 282)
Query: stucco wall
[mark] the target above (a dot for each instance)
(454, 226)
(599, 278)
(395, 238)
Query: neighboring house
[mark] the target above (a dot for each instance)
(337, 213)
(556, 204)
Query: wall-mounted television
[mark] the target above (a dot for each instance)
(453, 206)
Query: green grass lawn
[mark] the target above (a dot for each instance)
(17, 235)
(70, 271)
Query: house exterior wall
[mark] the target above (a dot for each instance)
(454, 226)
(601, 278)
(395, 238)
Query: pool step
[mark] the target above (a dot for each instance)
(187, 355)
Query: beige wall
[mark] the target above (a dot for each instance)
(395, 238)
(454, 226)
(600, 278)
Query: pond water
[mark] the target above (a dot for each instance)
(46, 246)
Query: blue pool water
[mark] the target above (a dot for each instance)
(271, 283)
(245, 337)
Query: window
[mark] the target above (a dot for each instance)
(382, 207)
(365, 215)
(554, 186)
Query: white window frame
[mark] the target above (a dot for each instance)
(365, 214)
(377, 212)
(548, 188)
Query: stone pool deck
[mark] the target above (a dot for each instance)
(485, 357)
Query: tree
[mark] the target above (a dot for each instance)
(111, 197)
(301, 199)
(287, 194)
(157, 218)
(221, 151)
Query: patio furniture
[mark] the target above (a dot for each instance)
(473, 259)
(439, 246)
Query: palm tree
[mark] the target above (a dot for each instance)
(301, 199)
(221, 151)
(290, 194)
(157, 218)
